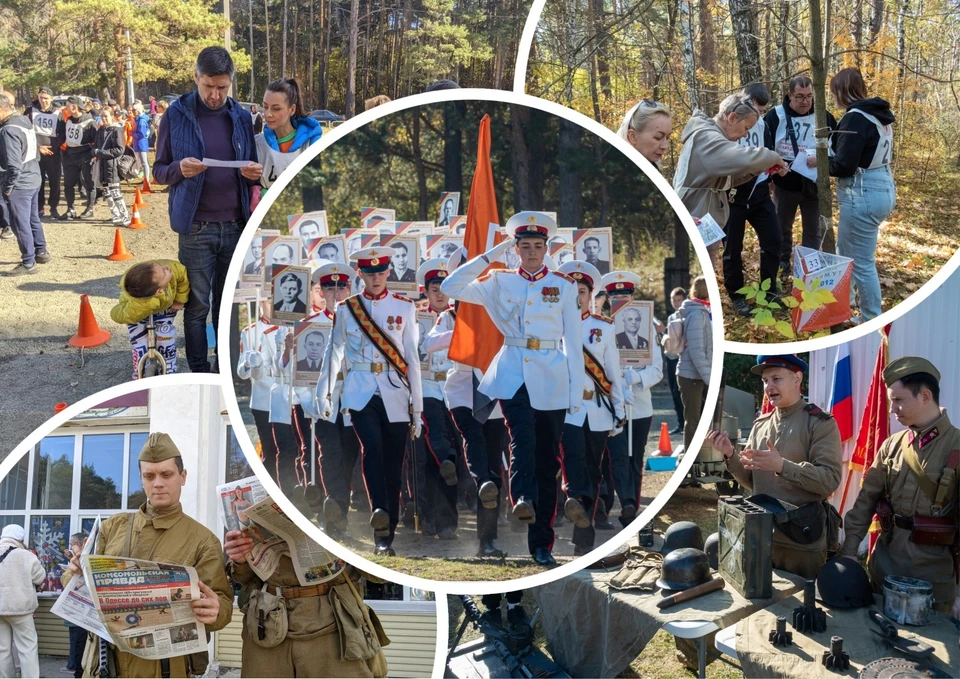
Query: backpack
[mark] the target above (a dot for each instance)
(673, 341)
(128, 165)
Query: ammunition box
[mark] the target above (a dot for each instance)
(746, 546)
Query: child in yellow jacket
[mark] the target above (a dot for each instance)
(159, 289)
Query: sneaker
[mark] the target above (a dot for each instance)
(87, 214)
(741, 306)
(43, 213)
(69, 214)
(6, 234)
(117, 221)
(54, 214)
(42, 257)
(22, 269)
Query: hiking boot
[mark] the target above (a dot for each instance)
(42, 257)
(741, 306)
(22, 269)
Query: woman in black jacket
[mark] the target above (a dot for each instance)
(110, 146)
(866, 192)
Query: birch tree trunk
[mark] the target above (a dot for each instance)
(819, 76)
(689, 54)
(351, 93)
(744, 18)
(283, 41)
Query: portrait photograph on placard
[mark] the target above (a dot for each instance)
(561, 253)
(309, 225)
(594, 246)
(290, 286)
(370, 216)
(413, 228)
(449, 202)
(445, 247)
(402, 277)
(633, 325)
(331, 248)
(425, 320)
(458, 225)
(563, 236)
(283, 250)
(252, 271)
(310, 339)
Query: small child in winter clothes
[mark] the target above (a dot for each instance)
(160, 289)
(109, 149)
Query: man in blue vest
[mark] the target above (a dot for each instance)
(208, 206)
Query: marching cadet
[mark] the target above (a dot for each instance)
(312, 636)
(538, 373)
(76, 135)
(338, 447)
(912, 487)
(375, 340)
(627, 463)
(160, 531)
(440, 466)
(482, 438)
(585, 432)
(793, 454)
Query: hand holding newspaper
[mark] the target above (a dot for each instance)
(75, 603)
(246, 506)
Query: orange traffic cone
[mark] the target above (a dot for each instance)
(138, 201)
(135, 222)
(120, 252)
(89, 333)
(664, 447)
(145, 188)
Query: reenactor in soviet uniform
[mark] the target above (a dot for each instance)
(162, 532)
(538, 373)
(374, 341)
(792, 454)
(322, 639)
(912, 487)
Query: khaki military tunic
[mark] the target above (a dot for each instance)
(174, 538)
(812, 456)
(895, 554)
(312, 647)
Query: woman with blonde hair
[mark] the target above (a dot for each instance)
(647, 127)
(141, 137)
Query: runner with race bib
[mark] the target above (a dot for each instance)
(288, 131)
(76, 135)
(44, 118)
(866, 192)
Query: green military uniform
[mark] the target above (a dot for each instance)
(808, 439)
(889, 476)
(314, 644)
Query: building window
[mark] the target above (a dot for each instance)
(135, 494)
(53, 473)
(101, 471)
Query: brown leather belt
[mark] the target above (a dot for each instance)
(297, 592)
(587, 395)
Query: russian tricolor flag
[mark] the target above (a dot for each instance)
(841, 393)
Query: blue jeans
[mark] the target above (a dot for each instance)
(24, 217)
(865, 200)
(205, 251)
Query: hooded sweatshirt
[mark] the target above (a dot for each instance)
(19, 156)
(696, 360)
(852, 151)
(20, 573)
(710, 164)
(135, 309)
(274, 159)
(791, 181)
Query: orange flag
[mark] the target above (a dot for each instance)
(476, 339)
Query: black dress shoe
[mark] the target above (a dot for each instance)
(604, 524)
(380, 522)
(489, 549)
(448, 533)
(676, 430)
(448, 472)
(488, 494)
(580, 550)
(628, 512)
(332, 512)
(575, 511)
(383, 548)
(524, 512)
(543, 557)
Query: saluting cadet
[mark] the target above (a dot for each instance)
(337, 444)
(44, 118)
(627, 463)
(538, 373)
(585, 432)
(793, 454)
(440, 461)
(375, 340)
(912, 487)
(78, 133)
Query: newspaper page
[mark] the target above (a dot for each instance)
(75, 603)
(245, 505)
(145, 605)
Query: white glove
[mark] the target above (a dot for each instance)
(418, 427)
(495, 253)
(628, 396)
(631, 377)
(616, 431)
(325, 407)
(573, 410)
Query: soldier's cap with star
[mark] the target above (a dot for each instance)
(620, 282)
(582, 272)
(433, 270)
(335, 275)
(788, 361)
(373, 260)
(908, 365)
(159, 447)
(531, 224)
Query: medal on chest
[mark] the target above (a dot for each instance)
(394, 322)
(550, 294)
(596, 334)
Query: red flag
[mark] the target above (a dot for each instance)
(874, 430)
(476, 339)
(765, 406)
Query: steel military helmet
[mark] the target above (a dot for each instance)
(682, 534)
(843, 583)
(684, 568)
(712, 549)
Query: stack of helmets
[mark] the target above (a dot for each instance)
(685, 564)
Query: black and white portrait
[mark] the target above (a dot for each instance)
(402, 277)
(446, 247)
(449, 202)
(331, 248)
(309, 225)
(253, 262)
(290, 289)
(594, 247)
(633, 329)
(425, 320)
(370, 217)
(458, 227)
(563, 255)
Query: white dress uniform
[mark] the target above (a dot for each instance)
(438, 364)
(640, 381)
(598, 338)
(258, 338)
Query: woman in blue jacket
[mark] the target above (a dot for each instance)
(141, 138)
(287, 132)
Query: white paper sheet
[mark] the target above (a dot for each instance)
(710, 231)
(213, 162)
(800, 167)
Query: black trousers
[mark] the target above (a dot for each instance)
(671, 371)
(78, 172)
(78, 642)
(337, 451)
(433, 447)
(582, 456)
(483, 448)
(290, 464)
(628, 469)
(382, 445)
(787, 204)
(762, 215)
(50, 171)
(534, 462)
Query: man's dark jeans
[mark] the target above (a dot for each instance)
(206, 252)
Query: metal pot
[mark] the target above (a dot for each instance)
(907, 600)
